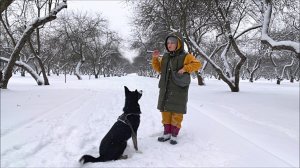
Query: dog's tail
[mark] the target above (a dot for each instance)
(88, 158)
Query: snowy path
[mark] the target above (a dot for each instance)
(70, 120)
(241, 149)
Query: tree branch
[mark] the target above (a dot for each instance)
(26, 35)
(245, 31)
(27, 68)
(266, 39)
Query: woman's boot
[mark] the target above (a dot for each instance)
(174, 133)
(167, 133)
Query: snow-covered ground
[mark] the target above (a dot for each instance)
(53, 126)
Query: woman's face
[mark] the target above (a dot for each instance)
(172, 45)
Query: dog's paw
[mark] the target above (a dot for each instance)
(123, 157)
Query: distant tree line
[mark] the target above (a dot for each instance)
(72, 43)
(234, 39)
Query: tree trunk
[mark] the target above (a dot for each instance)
(294, 75)
(48, 70)
(26, 35)
(26, 68)
(251, 78)
(22, 72)
(1, 74)
(4, 4)
(46, 81)
(14, 57)
(200, 79)
(36, 55)
(77, 69)
(278, 81)
(256, 67)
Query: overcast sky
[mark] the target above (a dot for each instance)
(115, 11)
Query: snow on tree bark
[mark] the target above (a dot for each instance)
(254, 69)
(266, 39)
(27, 68)
(279, 79)
(77, 69)
(215, 66)
(26, 35)
(225, 61)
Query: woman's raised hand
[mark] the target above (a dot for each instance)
(155, 54)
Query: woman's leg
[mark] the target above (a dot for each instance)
(176, 121)
(166, 121)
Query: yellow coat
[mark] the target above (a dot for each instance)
(191, 64)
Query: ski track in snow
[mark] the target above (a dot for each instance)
(244, 117)
(40, 118)
(49, 128)
(239, 134)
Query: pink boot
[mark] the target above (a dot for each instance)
(174, 132)
(167, 133)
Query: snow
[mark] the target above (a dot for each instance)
(53, 126)
(265, 37)
(77, 71)
(225, 61)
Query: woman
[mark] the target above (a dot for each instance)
(172, 100)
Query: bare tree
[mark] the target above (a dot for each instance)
(26, 35)
(280, 78)
(101, 48)
(254, 69)
(232, 72)
(218, 33)
(27, 68)
(80, 28)
(266, 39)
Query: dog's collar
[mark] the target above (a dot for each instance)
(123, 118)
(127, 109)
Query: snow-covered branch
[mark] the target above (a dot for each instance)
(77, 69)
(272, 59)
(27, 68)
(245, 31)
(266, 39)
(26, 35)
(225, 61)
(286, 66)
(208, 59)
(218, 48)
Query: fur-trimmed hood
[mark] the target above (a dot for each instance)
(180, 44)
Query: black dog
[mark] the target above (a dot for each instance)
(115, 141)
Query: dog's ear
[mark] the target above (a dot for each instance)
(126, 89)
(138, 93)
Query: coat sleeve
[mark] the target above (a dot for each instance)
(156, 64)
(191, 64)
